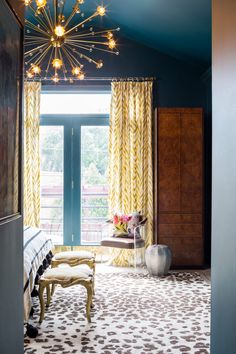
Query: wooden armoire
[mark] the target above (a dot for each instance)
(179, 184)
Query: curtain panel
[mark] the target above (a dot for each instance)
(130, 154)
(31, 153)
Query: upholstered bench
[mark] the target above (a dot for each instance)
(66, 276)
(74, 258)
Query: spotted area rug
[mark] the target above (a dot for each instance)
(133, 314)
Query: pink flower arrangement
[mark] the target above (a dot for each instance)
(120, 222)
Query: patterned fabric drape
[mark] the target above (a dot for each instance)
(130, 154)
(32, 154)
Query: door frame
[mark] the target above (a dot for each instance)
(72, 124)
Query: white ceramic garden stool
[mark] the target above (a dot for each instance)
(158, 259)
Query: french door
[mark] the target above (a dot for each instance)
(74, 188)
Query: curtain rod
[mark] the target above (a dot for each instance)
(100, 79)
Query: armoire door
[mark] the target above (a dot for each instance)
(180, 184)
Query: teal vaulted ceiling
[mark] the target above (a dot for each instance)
(180, 28)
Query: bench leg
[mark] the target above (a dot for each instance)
(89, 288)
(48, 295)
(53, 289)
(42, 305)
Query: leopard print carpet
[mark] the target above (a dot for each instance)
(133, 314)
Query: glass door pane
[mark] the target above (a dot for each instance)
(94, 182)
(52, 163)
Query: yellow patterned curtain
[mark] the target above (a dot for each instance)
(130, 154)
(32, 154)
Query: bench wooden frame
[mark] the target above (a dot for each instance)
(88, 283)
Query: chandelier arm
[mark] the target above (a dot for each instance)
(45, 15)
(55, 12)
(34, 56)
(36, 38)
(33, 9)
(50, 17)
(73, 12)
(88, 47)
(76, 61)
(55, 52)
(34, 42)
(68, 55)
(93, 34)
(81, 23)
(38, 17)
(63, 64)
(49, 61)
(34, 49)
(32, 26)
(39, 60)
(84, 41)
(106, 50)
(86, 57)
(62, 8)
(84, 46)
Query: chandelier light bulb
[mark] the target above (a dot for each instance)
(112, 44)
(76, 70)
(101, 10)
(36, 69)
(55, 79)
(99, 64)
(57, 63)
(59, 31)
(27, 2)
(61, 18)
(41, 3)
(81, 76)
(30, 75)
(109, 35)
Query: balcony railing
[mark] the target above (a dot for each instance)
(91, 221)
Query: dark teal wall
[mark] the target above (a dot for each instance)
(11, 287)
(223, 328)
(179, 84)
(11, 266)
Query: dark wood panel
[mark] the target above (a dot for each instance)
(169, 162)
(169, 188)
(18, 7)
(180, 230)
(169, 200)
(191, 162)
(191, 177)
(191, 201)
(169, 139)
(180, 218)
(185, 251)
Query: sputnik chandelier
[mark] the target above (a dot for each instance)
(57, 46)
